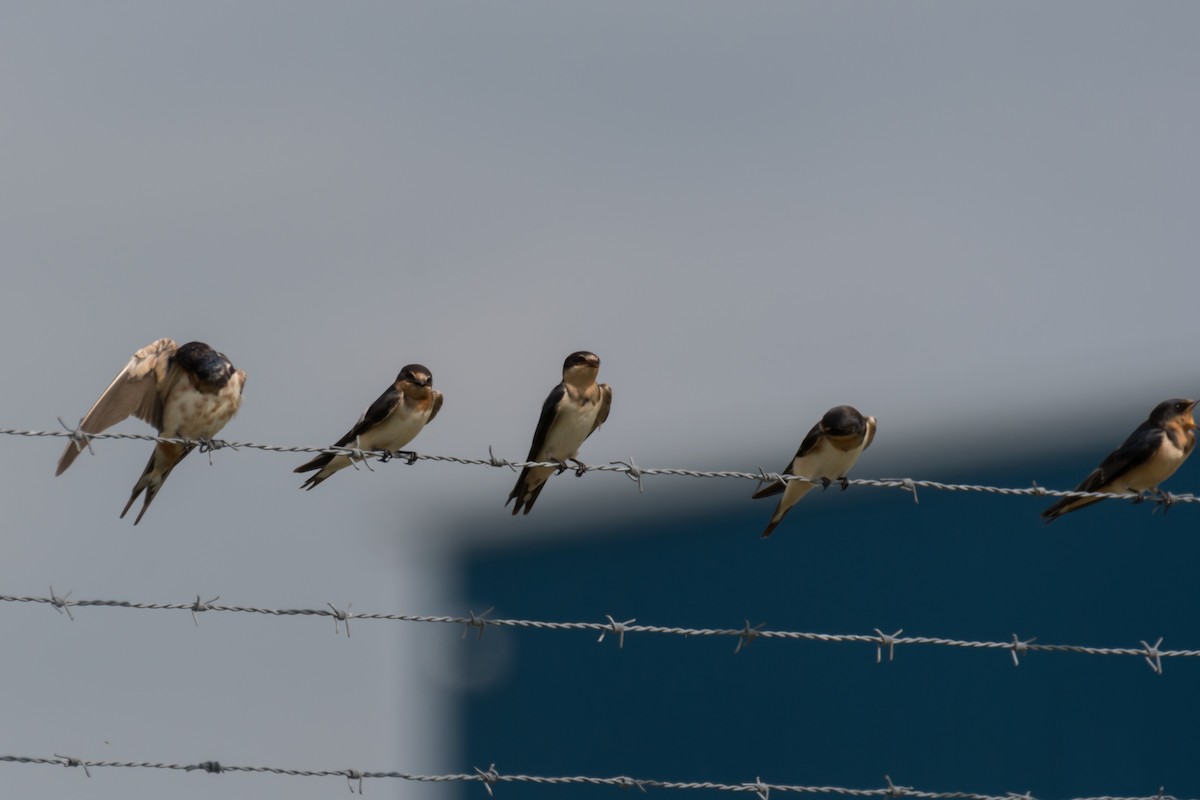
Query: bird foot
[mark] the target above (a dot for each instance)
(409, 456)
(1164, 499)
(562, 466)
(845, 482)
(580, 467)
(826, 483)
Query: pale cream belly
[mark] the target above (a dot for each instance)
(194, 415)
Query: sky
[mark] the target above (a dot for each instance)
(975, 222)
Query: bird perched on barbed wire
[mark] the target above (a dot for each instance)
(574, 409)
(1148, 457)
(392, 421)
(187, 392)
(827, 453)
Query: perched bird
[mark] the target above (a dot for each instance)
(186, 392)
(574, 409)
(1148, 457)
(391, 422)
(828, 452)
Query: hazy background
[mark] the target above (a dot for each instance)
(975, 221)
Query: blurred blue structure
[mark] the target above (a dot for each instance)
(963, 566)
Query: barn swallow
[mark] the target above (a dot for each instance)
(186, 392)
(574, 409)
(828, 452)
(1148, 457)
(391, 422)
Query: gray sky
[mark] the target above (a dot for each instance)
(954, 216)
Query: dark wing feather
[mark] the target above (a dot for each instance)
(1141, 445)
(549, 412)
(134, 392)
(1134, 451)
(806, 447)
(376, 413)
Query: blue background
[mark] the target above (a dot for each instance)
(959, 566)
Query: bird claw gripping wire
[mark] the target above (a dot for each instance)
(1020, 647)
(477, 621)
(410, 456)
(340, 616)
(887, 640)
(489, 778)
(747, 635)
(200, 606)
(580, 468)
(618, 628)
(79, 437)
(1153, 656)
(1164, 500)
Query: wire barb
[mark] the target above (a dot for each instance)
(61, 604)
(340, 616)
(1021, 647)
(747, 635)
(200, 607)
(477, 621)
(618, 628)
(79, 437)
(353, 775)
(888, 641)
(489, 778)
(1154, 656)
(71, 761)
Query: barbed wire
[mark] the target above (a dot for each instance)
(1017, 647)
(490, 778)
(629, 468)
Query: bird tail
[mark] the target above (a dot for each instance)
(1066, 505)
(529, 485)
(162, 461)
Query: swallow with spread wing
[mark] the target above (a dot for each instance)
(1148, 457)
(827, 452)
(391, 422)
(574, 409)
(186, 392)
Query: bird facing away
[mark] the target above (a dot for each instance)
(186, 392)
(1148, 457)
(391, 422)
(827, 452)
(574, 409)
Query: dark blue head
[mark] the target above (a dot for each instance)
(205, 364)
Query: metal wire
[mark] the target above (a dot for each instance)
(490, 778)
(629, 468)
(1017, 647)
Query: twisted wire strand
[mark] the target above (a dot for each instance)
(1152, 653)
(629, 468)
(490, 777)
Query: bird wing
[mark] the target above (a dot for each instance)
(605, 405)
(437, 406)
(546, 420)
(134, 392)
(806, 447)
(1139, 448)
(376, 413)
